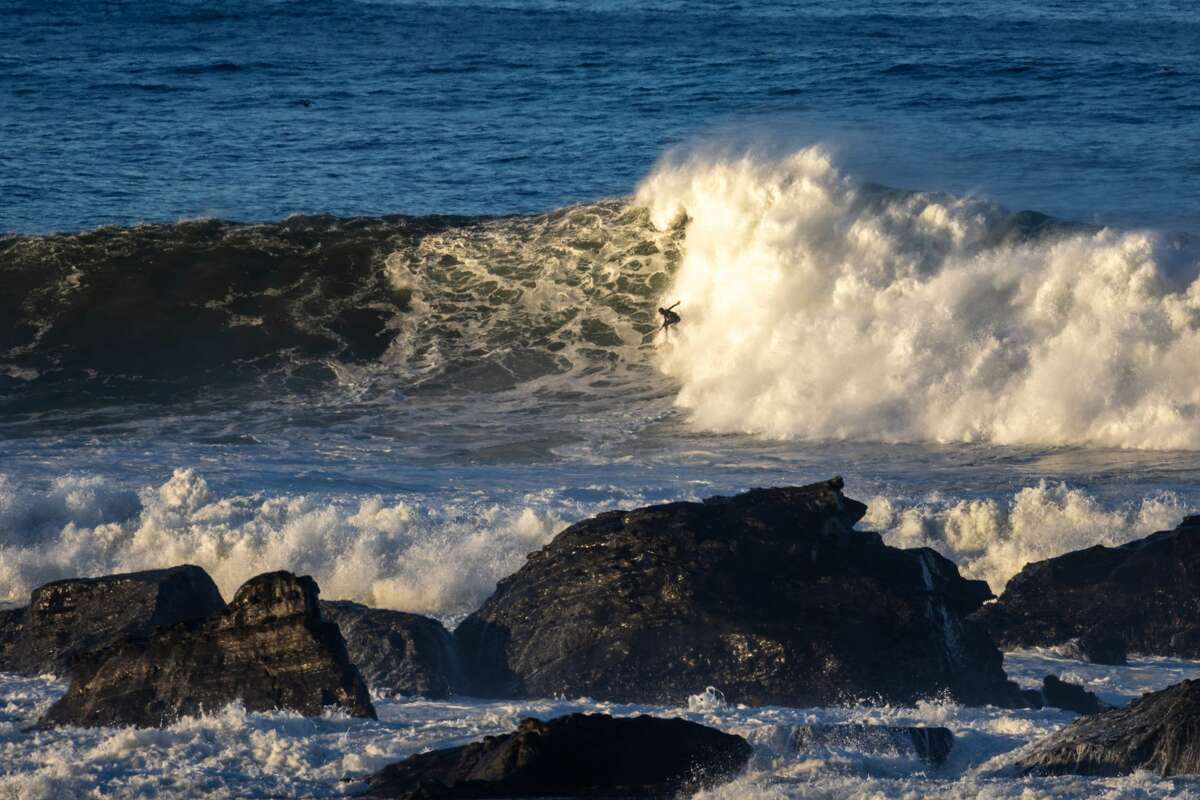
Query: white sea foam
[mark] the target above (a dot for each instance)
(442, 555)
(392, 553)
(816, 308)
(993, 539)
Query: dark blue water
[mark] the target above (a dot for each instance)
(127, 110)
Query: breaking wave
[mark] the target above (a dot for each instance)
(443, 555)
(442, 560)
(992, 539)
(814, 307)
(817, 307)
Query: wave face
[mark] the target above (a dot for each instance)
(424, 305)
(818, 307)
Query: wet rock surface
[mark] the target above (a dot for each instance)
(269, 649)
(1159, 732)
(932, 745)
(1141, 597)
(1057, 693)
(581, 755)
(770, 595)
(1096, 647)
(69, 621)
(398, 653)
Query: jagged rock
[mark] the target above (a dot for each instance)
(70, 620)
(770, 595)
(398, 653)
(1104, 597)
(928, 744)
(269, 649)
(1159, 732)
(1068, 696)
(581, 755)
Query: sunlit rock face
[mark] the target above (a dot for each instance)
(771, 596)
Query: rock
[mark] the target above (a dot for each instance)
(70, 620)
(928, 744)
(398, 653)
(1158, 732)
(1105, 597)
(1095, 647)
(1068, 696)
(12, 625)
(770, 595)
(581, 755)
(269, 649)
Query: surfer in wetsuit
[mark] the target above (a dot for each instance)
(669, 317)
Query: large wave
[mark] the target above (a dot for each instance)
(815, 306)
(819, 307)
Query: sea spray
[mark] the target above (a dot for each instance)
(992, 539)
(442, 555)
(816, 307)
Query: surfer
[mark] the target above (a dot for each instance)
(669, 317)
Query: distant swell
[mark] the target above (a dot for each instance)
(816, 307)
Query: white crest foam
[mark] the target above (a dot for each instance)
(817, 308)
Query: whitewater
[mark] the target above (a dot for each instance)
(416, 403)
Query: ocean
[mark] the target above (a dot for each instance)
(368, 291)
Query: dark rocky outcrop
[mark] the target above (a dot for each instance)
(1096, 646)
(1068, 696)
(928, 744)
(70, 620)
(396, 652)
(1159, 732)
(581, 755)
(771, 596)
(269, 649)
(1141, 597)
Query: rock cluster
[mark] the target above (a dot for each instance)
(269, 649)
(771, 596)
(581, 755)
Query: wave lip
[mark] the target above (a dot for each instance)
(818, 307)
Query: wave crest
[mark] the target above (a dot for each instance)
(818, 307)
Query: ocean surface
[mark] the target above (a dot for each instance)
(367, 291)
